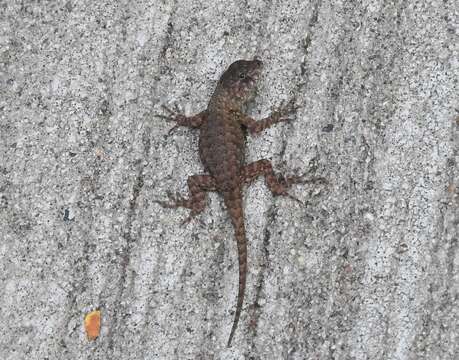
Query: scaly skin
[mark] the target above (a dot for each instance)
(222, 149)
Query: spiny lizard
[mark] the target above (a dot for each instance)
(223, 128)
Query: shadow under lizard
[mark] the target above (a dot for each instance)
(223, 128)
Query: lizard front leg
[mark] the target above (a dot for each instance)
(279, 115)
(194, 121)
(198, 186)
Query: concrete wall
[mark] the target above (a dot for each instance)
(367, 268)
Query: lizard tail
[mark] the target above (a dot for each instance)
(234, 207)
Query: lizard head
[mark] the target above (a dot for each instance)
(239, 80)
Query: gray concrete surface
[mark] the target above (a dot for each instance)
(366, 269)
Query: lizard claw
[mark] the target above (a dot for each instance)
(190, 217)
(172, 129)
(165, 204)
(175, 201)
(303, 180)
(288, 181)
(283, 191)
(174, 116)
(172, 113)
(186, 221)
(293, 198)
(284, 109)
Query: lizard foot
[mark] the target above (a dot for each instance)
(192, 216)
(176, 201)
(285, 182)
(280, 114)
(174, 116)
(302, 179)
(290, 196)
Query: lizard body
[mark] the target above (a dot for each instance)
(222, 150)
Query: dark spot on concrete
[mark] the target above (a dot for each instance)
(104, 109)
(69, 6)
(66, 215)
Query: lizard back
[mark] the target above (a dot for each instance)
(222, 150)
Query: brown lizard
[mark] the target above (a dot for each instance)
(221, 148)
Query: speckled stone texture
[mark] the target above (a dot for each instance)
(366, 269)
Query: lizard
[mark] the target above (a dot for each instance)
(223, 126)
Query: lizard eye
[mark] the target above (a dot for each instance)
(242, 76)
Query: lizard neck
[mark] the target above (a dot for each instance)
(225, 100)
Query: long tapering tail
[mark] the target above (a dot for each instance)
(235, 210)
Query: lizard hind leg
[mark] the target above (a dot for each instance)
(277, 183)
(198, 186)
